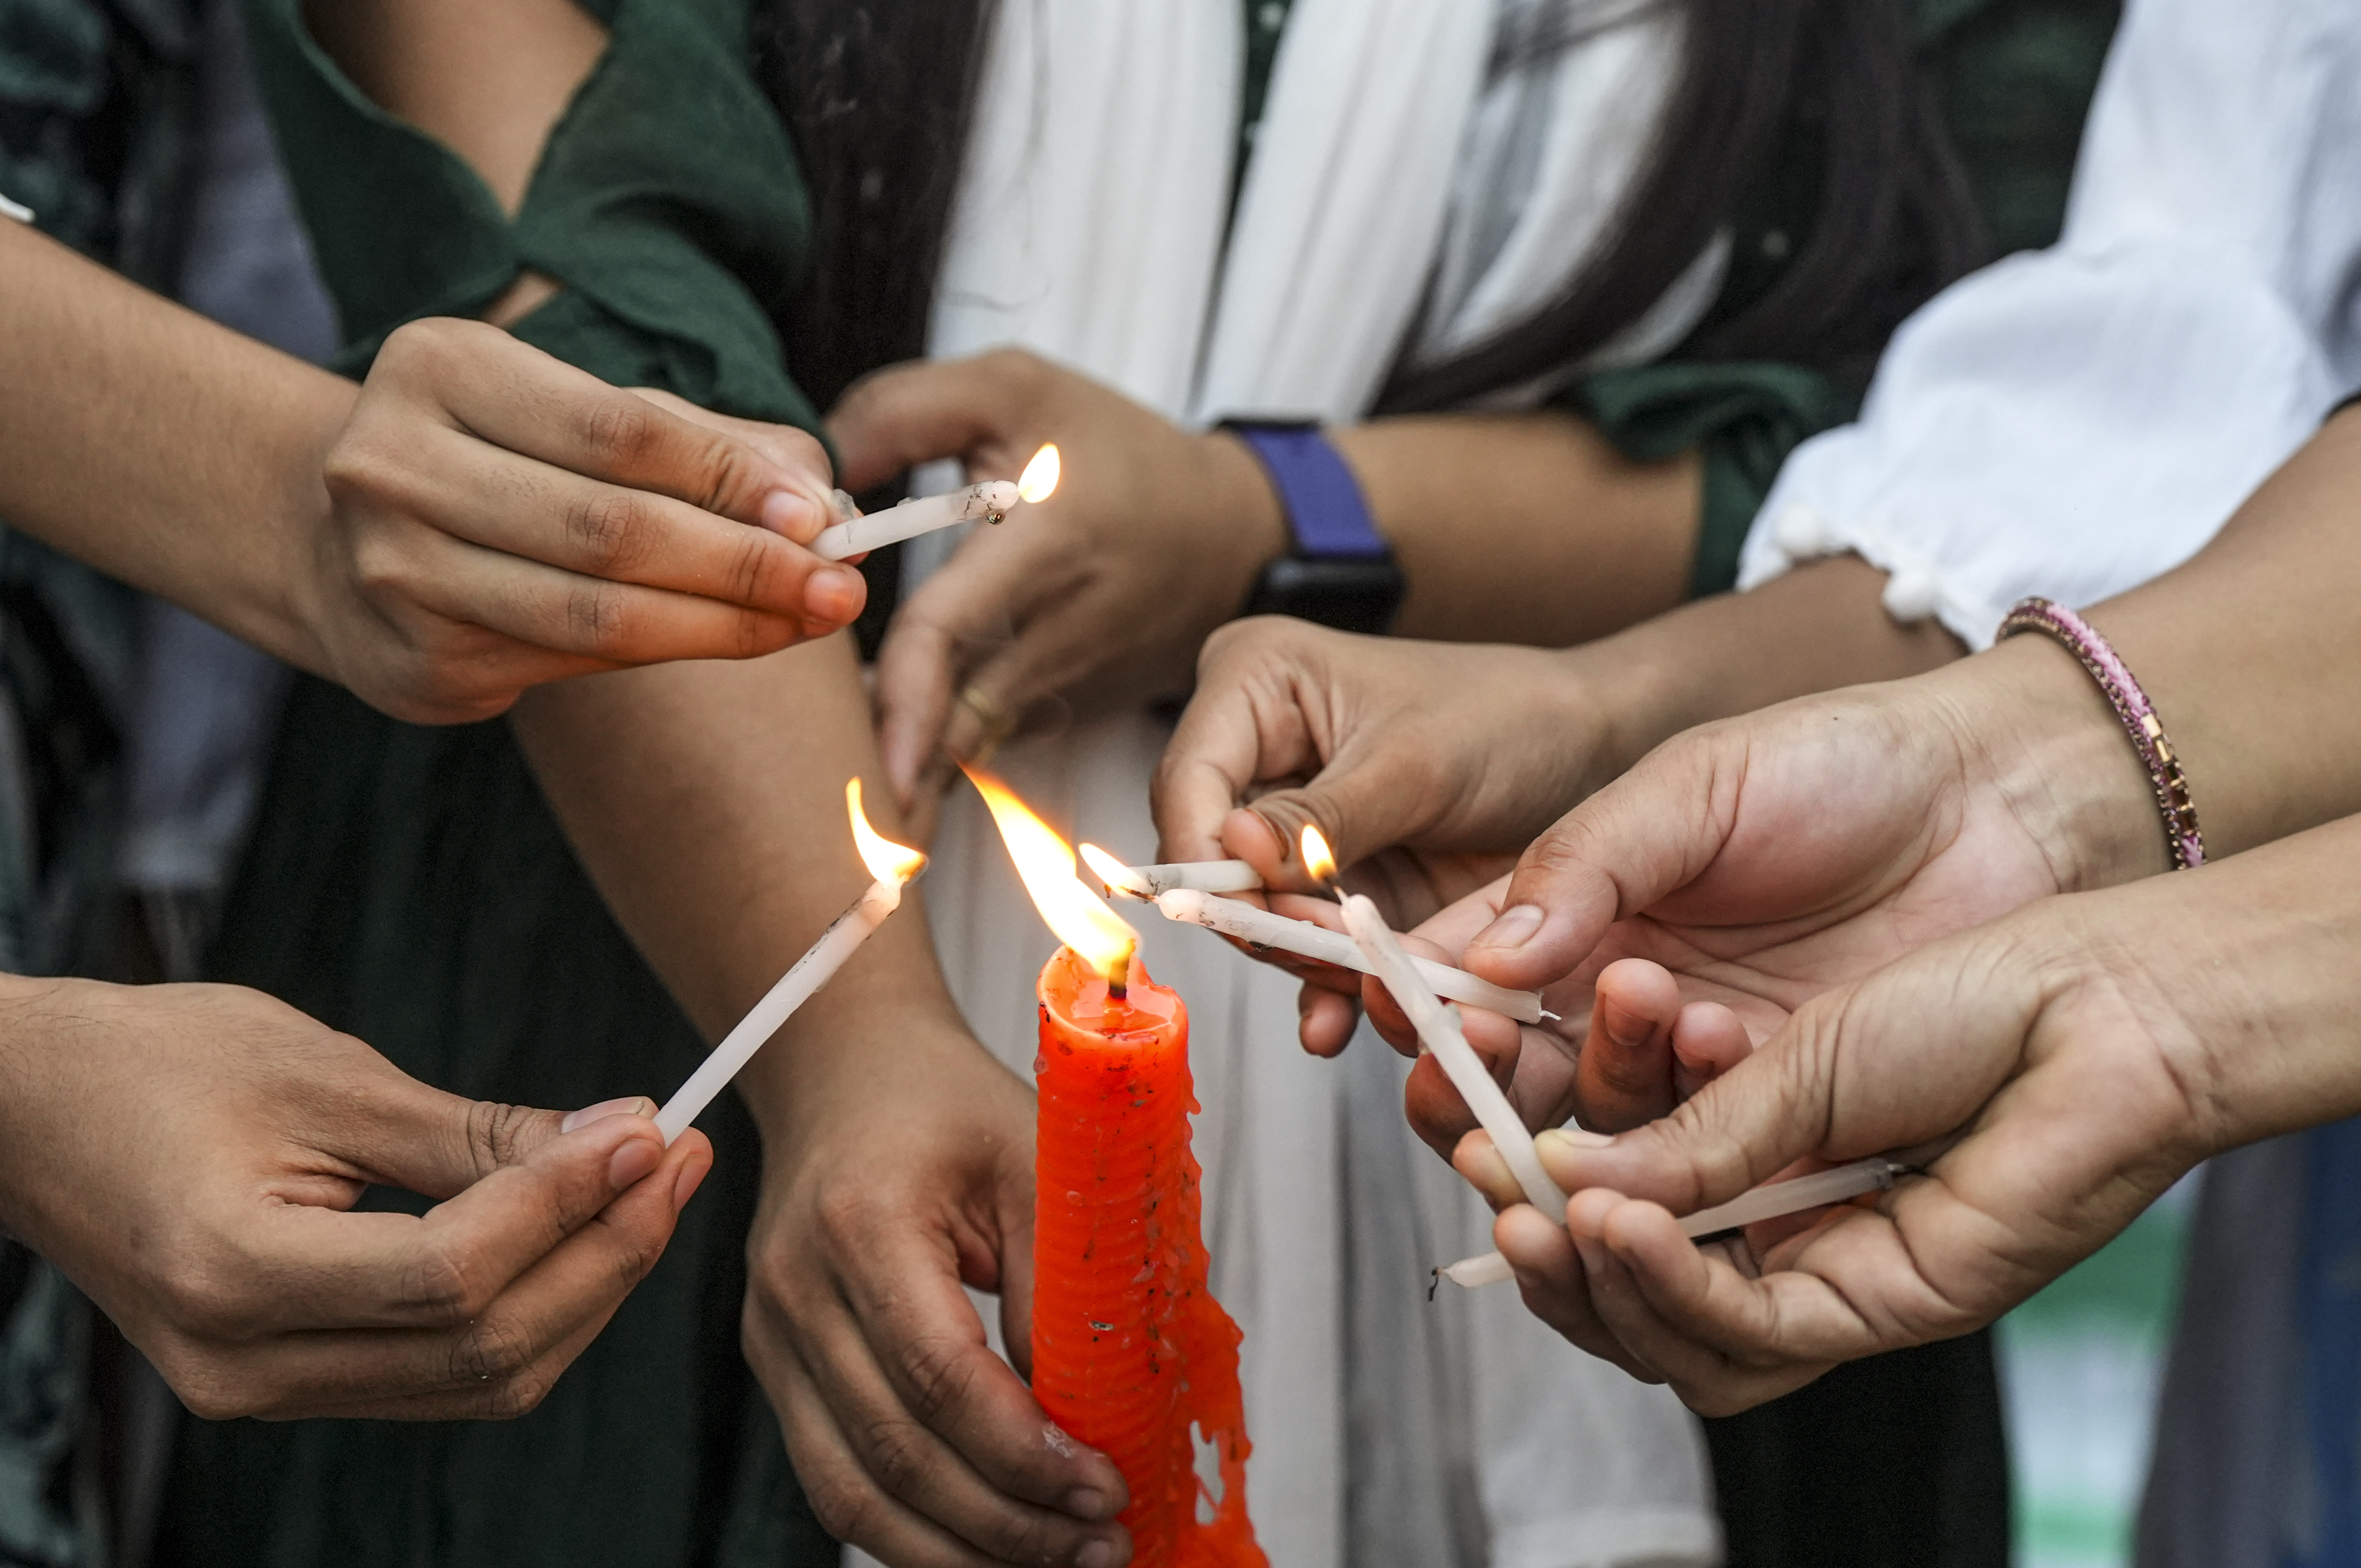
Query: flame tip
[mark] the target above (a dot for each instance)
(1319, 861)
(886, 860)
(1040, 477)
(1079, 917)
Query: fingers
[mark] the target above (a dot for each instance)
(450, 483)
(497, 1362)
(1618, 853)
(1625, 1075)
(325, 1269)
(514, 396)
(1707, 1041)
(1246, 724)
(957, 633)
(904, 415)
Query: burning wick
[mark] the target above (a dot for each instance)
(1319, 859)
(1768, 1201)
(990, 500)
(1079, 917)
(893, 866)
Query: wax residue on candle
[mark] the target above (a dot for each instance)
(1131, 1352)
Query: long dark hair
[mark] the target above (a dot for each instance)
(877, 94)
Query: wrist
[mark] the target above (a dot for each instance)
(1253, 530)
(2032, 725)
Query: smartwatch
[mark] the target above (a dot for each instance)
(1340, 573)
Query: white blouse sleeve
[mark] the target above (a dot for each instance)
(2073, 421)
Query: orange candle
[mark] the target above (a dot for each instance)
(1131, 1352)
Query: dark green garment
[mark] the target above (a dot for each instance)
(411, 886)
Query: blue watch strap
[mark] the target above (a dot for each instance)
(1325, 509)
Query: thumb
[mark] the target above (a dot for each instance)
(1741, 1130)
(1648, 834)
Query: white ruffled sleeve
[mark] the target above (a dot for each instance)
(2073, 421)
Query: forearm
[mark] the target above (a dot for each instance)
(707, 801)
(1524, 528)
(171, 453)
(1816, 628)
(2251, 652)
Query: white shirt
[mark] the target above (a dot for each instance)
(2074, 422)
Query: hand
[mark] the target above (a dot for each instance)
(2069, 1070)
(1097, 596)
(495, 518)
(914, 1441)
(1425, 765)
(188, 1154)
(1764, 858)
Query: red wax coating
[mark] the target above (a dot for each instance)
(1130, 1350)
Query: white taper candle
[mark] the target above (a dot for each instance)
(1768, 1201)
(874, 529)
(1265, 929)
(1438, 1031)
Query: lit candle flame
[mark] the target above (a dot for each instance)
(886, 860)
(1111, 872)
(1080, 918)
(1318, 860)
(1041, 475)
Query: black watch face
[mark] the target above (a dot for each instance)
(1349, 592)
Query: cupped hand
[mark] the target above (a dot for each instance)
(190, 1156)
(1761, 860)
(1099, 595)
(495, 518)
(2051, 1087)
(914, 1441)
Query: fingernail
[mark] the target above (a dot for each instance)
(792, 514)
(1566, 1138)
(1087, 1503)
(633, 1161)
(834, 594)
(1514, 928)
(686, 1184)
(1097, 1554)
(628, 1105)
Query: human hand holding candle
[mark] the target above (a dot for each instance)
(1102, 595)
(893, 866)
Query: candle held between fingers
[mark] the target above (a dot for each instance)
(1769, 1202)
(893, 866)
(1265, 929)
(1148, 882)
(990, 500)
(1439, 1033)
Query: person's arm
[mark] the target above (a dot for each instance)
(2068, 1064)
(476, 518)
(707, 801)
(189, 1156)
(1520, 528)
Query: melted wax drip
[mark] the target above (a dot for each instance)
(1131, 1351)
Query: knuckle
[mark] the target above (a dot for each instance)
(595, 621)
(845, 1508)
(446, 1286)
(609, 529)
(895, 1452)
(214, 1395)
(942, 1375)
(496, 1134)
(492, 1351)
(620, 430)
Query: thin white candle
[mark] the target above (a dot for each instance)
(9, 209)
(1145, 883)
(1439, 1033)
(1265, 929)
(1768, 1201)
(893, 866)
(989, 500)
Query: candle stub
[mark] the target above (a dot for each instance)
(1265, 929)
(1770, 1200)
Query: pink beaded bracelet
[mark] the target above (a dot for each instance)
(2080, 638)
